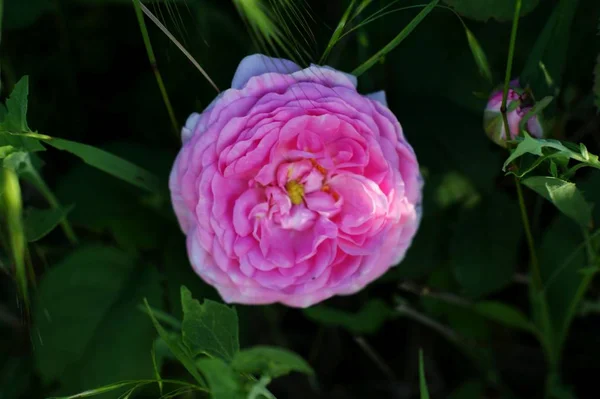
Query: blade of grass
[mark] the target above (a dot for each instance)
(156, 371)
(396, 41)
(152, 58)
(265, 31)
(13, 209)
(122, 384)
(176, 42)
(338, 31)
(422, 379)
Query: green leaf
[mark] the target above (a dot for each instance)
(558, 151)
(368, 320)
(109, 163)
(21, 143)
(483, 245)
(395, 41)
(269, 361)
(222, 381)
(546, 62)
(100, 159)
(176, 346)
(86, 302)
(564, 195)
(504, 314)
(210, 328)
(479, 56)
(16, 105)
(40, 222)
(422, 379)
(502, 10)
(529, 145)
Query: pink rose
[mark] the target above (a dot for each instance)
(291, 187)
(517, 105)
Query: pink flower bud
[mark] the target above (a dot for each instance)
(518, 103)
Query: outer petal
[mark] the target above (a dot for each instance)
(378, 96)
(349, 76)
(258, 64)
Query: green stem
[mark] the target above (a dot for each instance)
(538, 296)
(152, 58)
(511, 53)
(535, 266)
(546, 336)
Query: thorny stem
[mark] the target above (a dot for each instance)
(154, 66)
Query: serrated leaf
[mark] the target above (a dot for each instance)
(504, 314)
(40, 222)
(176, 346)
(15, 119)
(501, 10)
(558, 151)
(368, 320)
(209, 328)
(222, 381)
(527, 146)
(564, 195)
(269, 361)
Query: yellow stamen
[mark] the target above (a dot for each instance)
(295, 191)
